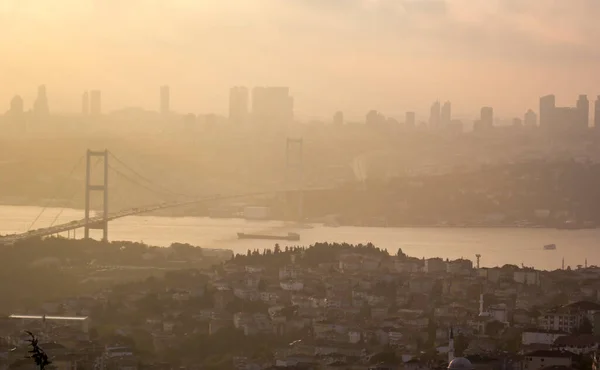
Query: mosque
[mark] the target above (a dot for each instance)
(456, 363)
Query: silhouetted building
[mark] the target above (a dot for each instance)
(374, 118)
(434, 116)
(583, 112)
(409, 121)
(95, 102)
(165, 99)
(487, 117)
(85, 103)
(597, 112)
(547, 106)
(530, 119)
(272, 105)
(40, 105)
(446, 114)
(517, 122)
(238, 105)
(338, 118)
(16, 106)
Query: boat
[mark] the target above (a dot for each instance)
(289, 236)
(549, 247)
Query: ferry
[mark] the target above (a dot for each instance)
(288, 237)
(550, 247)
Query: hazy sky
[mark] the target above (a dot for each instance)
(353, 55)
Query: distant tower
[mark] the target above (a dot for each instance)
(85, 103)
(563, 263)
(583, 112)
(434, 116)
(586, 263)
(338, 118)
(478, 258)
(16, 106)
(238, 105)
(95, 102)
(451, 346)
(165, 99)
(40, 105)
(530, 119)
(409, 121)
(547, 111)
(487, 117)
(446, 114)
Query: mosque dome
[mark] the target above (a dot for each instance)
(460, 363)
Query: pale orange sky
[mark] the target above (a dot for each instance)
(353, 55)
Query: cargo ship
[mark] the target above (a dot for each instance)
(289, 236)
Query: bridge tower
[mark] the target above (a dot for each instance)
(89, 188)
(294, 177)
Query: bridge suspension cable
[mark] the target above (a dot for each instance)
(160, 194)
(57, 191)
(145, 179)
(72, 197)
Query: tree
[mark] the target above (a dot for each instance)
(400, 253)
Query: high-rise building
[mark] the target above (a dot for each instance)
(446, 114)
(434, 116)
(487, 117)
(597, 113)
(85, 103)
(238, 105)
(16, 106)
(165, 99)
(40, 105)
(95, 102)
(374, 118)
(338, 118)
(409, 121)
(583, 112)
(272, 105)
(517, 122)
(547, 111)
(530, 119)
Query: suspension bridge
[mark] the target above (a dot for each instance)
(100, 222)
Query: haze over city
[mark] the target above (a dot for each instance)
(344, 55)
(300, 184)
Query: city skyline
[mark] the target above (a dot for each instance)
(500, 54)
(244, 102)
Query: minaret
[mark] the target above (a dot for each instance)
(481, 304)
(451, 346)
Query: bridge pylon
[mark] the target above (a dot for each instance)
(294, 177)
(89, 188)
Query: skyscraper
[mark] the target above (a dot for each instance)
(547, 114)
(85, 104)
(446, 114)
(238, 105)
(597, 113)
(40, 105)
(487, 117)
(338, 118)
(16, 106)
(583, 112)
(434, 116)
(95, 102)
(165, 99)
(409, 121)
(272, 105)
(374, 118)
(530, 119)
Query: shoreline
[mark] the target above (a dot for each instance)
(321, 224)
